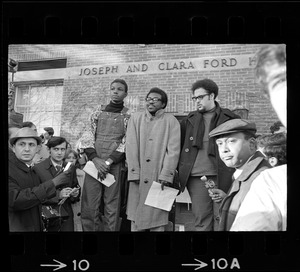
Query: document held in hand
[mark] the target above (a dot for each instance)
(161, 199)
(91, 169)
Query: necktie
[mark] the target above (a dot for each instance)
(58, 168)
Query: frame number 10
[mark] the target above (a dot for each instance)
(82, 265)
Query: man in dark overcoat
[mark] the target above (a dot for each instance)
(48, 169)
(25, 190)
(199, 156)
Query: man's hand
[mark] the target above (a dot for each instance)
(65, 192)
(74, 192)
(216, 195)
(101, 167)
(63, 178)
(164, 183)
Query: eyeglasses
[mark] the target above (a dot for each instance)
(199, 97)
(154, 99)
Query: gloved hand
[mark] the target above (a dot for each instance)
(63, 178)
(164, 183)
(101, 167)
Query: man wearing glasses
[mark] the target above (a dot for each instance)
(152, 153)
(199, 155)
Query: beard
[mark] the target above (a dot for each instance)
(202, 109)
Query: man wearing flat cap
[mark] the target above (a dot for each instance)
(265, 206)
(236, 144)
(25, 190)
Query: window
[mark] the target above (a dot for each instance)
(41, 103)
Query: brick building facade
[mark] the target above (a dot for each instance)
(83, 82)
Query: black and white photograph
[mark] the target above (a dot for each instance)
(147, 137)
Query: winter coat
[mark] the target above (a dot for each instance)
(46, 171)
(189, 153)
(25, 195)
(152, 153)
(239, 189)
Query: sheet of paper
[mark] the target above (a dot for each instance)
(161, 199)
(91, 169)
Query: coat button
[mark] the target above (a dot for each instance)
(191, 138)
(132, 170)
(148, 160)
(186, 150)
(146, 181)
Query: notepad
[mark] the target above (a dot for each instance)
(161, 199)
(91, 170)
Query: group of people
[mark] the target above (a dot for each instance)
(32, 174)
(137, 148)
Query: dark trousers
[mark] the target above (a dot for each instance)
(204, 209)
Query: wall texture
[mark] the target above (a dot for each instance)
(237, 87)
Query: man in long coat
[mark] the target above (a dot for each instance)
(152, 153)
(25, 190)
(199, 156)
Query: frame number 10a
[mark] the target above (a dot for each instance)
(220, 263)
(223, 263)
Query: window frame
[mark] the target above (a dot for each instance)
(26, 108)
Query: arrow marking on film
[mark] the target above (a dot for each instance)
(200, 264)
(59, 265)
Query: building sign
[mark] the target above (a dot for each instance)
(137, 68)
(154, 67)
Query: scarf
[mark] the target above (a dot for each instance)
(113, 107)
(199, 130)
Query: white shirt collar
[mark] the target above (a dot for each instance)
(238, 172)
(55, 164)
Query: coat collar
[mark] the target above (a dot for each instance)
(50, 167)
(252, 165)
(192, 117)
(158, 114)
(21, 165)
(222, 115)
(254, 162)
(48, 163)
